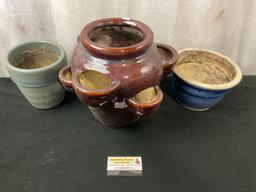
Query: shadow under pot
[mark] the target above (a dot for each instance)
(34, 67)
(116, 69)
(203, 77)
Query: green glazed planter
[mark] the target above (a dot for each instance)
(40, 86)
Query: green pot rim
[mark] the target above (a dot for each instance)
(36, 70)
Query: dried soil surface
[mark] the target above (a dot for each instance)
(204, 70)
(94, 80)
(146, 96)
(36, 58)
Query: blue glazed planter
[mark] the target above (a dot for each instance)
(194, 98)
(199, 96)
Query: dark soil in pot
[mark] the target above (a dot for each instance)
(116, 36)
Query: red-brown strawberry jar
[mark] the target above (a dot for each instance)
(116, 69)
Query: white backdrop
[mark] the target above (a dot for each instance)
(227, 26)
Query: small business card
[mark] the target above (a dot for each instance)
(124, 166)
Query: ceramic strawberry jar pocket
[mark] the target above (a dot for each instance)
(116, 69)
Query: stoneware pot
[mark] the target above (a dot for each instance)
(34, 67)
(116, 69)
(200, 96)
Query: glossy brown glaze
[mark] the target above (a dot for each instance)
(143, 109)
(66, 82)
(123, 50)
(109, 52)
(168, 56)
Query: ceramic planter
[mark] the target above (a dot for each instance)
(200, 96)
(40, 86)
(116, 69)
